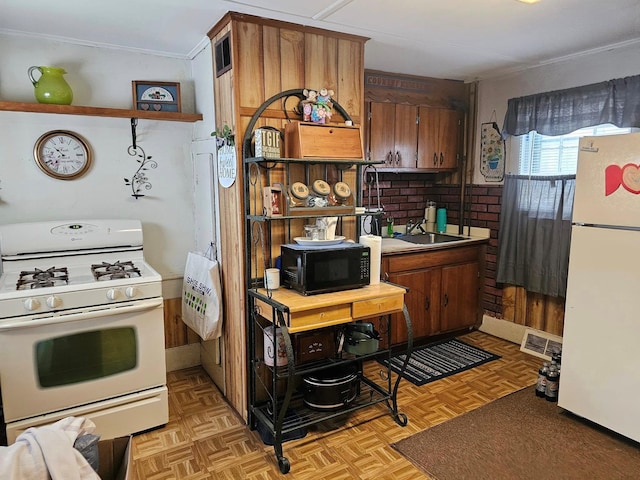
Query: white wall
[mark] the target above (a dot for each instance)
(203, 152)
(493, 94)
(100, 77)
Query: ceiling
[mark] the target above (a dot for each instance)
(456, 39)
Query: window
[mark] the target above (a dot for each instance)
(542, 155)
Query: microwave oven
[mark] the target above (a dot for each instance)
(323, 269)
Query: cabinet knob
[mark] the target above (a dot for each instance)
(441, 158)
(427, 303)
(397, 158)
(389, 158)
(435, 159)
(446, 299)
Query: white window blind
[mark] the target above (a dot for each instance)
(542, 155)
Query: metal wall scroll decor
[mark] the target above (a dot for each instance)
(139, 181)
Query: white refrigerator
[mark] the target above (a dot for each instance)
(600, 374)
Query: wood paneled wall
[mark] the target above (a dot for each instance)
(176, 333)
(533, 309)
(269, 57)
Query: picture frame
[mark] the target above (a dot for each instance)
(272, 201)
(156, 96)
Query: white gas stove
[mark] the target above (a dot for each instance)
(81, 327)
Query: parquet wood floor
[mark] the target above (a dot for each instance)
(205, 439)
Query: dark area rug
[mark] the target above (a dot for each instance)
(522, 437)
(438, 360)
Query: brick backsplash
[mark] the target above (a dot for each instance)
(405, 196)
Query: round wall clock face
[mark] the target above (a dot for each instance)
(62, 154)
(157, 94)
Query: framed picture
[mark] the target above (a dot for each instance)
(156, 96)
(272, 201)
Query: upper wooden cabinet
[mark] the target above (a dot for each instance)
(440, 133)
(409, 137)
(415, 124)
(393, 134)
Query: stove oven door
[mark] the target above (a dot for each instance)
(82, 356)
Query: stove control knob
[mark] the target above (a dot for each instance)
(54, 302)
(113, 294)
(131, 292)
(31, 304)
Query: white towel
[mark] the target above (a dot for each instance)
(47, 453)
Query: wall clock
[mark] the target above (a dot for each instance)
(62, 154)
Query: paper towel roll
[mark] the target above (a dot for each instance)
(374, 243)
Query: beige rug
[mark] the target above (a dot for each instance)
(521, 437)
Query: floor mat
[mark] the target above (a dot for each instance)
(521, 436)
(439, 360)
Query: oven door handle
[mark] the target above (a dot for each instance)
(83, 316)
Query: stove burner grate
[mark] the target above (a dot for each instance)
(38, 278)
(112, 271)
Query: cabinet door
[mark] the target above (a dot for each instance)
(428, 148)
(439, 134)
(449, 135)
(422, 301)
(459, 301)
(406, 136)
(382, 132)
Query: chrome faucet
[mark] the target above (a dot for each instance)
(411, 226)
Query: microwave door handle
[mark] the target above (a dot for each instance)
(299, 270)
(82, 316)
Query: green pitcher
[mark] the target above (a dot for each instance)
(51, 87)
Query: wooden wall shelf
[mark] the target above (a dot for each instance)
(98, 111)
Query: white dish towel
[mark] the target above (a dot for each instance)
(47, 453)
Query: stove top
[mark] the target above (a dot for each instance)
(65, 274)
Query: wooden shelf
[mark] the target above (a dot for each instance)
(98, 111)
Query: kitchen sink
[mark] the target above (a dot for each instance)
(430, 238)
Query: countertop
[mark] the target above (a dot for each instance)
(395, 246)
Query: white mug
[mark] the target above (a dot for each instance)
(272, 278)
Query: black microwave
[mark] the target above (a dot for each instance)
(322, 269)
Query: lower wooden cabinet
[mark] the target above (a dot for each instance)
(444, 289)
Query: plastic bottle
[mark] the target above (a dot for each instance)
(553, 382)
(390, 226)
(441, 220)
(557, 356)
(541, 384)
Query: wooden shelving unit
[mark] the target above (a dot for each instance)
(97, 111)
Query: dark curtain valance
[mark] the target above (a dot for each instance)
(564, 111)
